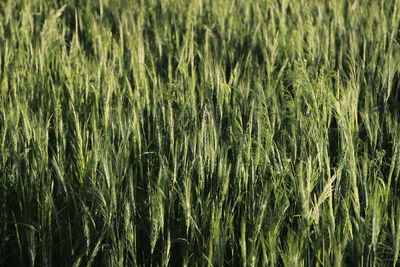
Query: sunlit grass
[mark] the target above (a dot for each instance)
(199, 133)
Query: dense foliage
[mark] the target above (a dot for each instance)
(199, 133)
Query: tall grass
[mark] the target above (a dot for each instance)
(199, 133)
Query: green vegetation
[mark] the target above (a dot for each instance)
(199, 133)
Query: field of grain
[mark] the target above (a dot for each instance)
(199, 133)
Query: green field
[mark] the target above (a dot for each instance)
(199, 133)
